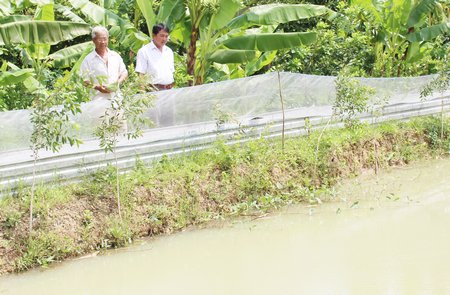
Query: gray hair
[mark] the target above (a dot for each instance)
(99, 29)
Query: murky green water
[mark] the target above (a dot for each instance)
(385, 235)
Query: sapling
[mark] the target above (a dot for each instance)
(351, 99)
(124, 117)
(51, 120)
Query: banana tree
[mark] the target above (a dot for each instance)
(404, 30)
(33, 36)
(121, 29)
(212, 30)
(221, 32)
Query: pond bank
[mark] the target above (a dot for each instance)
(252, 178)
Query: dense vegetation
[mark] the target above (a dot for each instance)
(222, 39)
(251, 178)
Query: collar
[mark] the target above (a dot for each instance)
(153, 46)
(107, 52)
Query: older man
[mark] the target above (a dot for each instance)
(103, 69)
(156, 59)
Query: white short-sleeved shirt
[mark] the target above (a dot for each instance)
(94, 68)
(159, 65)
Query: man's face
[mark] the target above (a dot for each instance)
(100, 40)
(160, 39)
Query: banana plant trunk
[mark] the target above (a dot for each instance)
(191, 56)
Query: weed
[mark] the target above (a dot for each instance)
(41, 248)
(118, 233)
(12, 218)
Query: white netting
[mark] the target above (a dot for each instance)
(244, 98)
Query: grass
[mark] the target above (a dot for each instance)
(223, 181)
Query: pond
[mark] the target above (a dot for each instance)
(382, 234)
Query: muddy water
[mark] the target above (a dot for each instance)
(382, 235)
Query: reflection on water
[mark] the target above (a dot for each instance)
(386, 235)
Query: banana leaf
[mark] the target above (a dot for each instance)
(429, 33)
(14, 18)
(225, 56)
(41, 32)
(15, 77)
(146, 7)
(421, 9)
(257, 64)
(271, 14)
(269, 42)
(98, 14)
(227, 10)
(68, 13)
(5, 8)
(170, 12)
(68, 56)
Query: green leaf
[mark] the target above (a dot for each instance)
(68, 13)
(135, 40)
(67, 56)
(30, 83)
(269, 42)
(225, 56)
(371, 6)
(76, 67)
(5, 7)
(15, 77)
(45, 12)
(98, 14)
(413, 52)
(419, 11)
(227, 10)
(41, 32)
(429, 33)
(14, 18)
(273, 14)
(146, 7)
(170, 12)
(265, 59)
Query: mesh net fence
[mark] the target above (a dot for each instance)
(244, 99)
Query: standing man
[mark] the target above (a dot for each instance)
(103, 69)
(156, 59)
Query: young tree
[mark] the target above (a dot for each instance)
(124, 117)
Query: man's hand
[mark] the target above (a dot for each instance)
(102, 89)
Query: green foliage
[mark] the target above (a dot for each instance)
(403, 32)
(221, 117)
(43, 248)
(335, 48)
(360, 40)
(118, 233)
(88, 218)
(51, 113)
(181, 76)
(12, 217)
(437, 131)
(351, 99)
(440, 84)
(15, 97)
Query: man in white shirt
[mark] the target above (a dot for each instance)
(103, 69)
(156, 59)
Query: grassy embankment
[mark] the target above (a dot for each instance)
(251, 178)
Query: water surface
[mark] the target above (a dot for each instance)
(385, 234)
